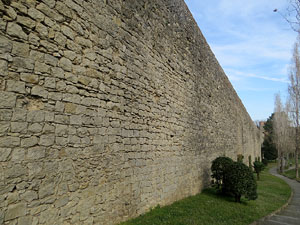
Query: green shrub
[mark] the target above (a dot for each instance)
(258, 167)
(239, 181)
(218, 168)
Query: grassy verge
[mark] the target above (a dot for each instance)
(291, 174)
(209, 208)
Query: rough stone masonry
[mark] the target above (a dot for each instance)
(108, 108)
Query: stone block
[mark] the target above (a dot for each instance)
(9, 141)
(65, 64)
(51, 47)
(70, 108)
(29, 142)
(71, 77)
(48, 128)
(11, 13)
(46, 190)
(26, 220)
(22, 64)
(47, 140)
(29, 78)
(35, 170)
(56, 96)
(7, 100)
(60, 39)
(42, 30)
(70, 55)
(20, 49)
(19, 6)
(12, 198)
(37, 55)
(35, 116)
(37, 152)
(50, 82)
(73, 98)
(39, 91)
(36, 14)
(17, 170)
(73, 139)
(4, 154)
(83, 42)
(3, 68)
(68, 32)
(76, 119)
(26, 21)
(18, 154)
(34, 39)
(74, 6)
(50, 3)
(57, 72)
(15, 86)
(62, 201)
(49, 116)
(41, 68)
(59, 106)
(35, 128)
(5, 45)
(18, 127)
(50, 12)
(15, 30)
(19, 115)
(62, 119)
(63, 9)
(29, 196)
(51, 60)
(15, 211)
(62, 141)
(4, 127)
(61, 130)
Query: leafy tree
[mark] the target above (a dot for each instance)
(258, 167)
(268, 148)
(239, 181)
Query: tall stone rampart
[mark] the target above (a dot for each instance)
(108, 108)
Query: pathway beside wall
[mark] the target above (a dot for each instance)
(291, 214)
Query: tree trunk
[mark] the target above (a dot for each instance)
(297, 152)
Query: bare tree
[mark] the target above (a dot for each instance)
(292, 14)
(281, 130)
(290, 144)
(294, 96)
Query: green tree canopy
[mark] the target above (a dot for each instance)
(268, 148)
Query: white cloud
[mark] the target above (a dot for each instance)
(251, 42)
(238, 75)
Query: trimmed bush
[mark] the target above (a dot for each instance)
(258, 167)
(239, 181)
(218, 168)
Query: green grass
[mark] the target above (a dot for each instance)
(291, 174)
(210, 208)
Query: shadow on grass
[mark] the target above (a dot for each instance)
(217, 194)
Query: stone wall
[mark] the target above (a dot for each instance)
(108, 108)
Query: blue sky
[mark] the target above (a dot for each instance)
(253, 45)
